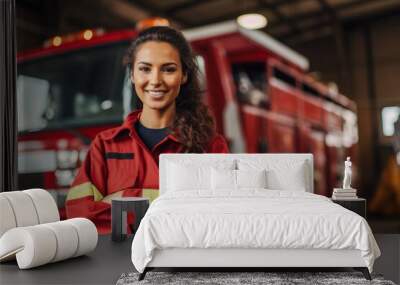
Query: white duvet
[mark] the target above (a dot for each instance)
(252, 218)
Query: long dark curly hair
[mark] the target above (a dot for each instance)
(193, 124)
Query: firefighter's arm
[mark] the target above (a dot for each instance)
(89, 188)
(108, 198)
(218, 145)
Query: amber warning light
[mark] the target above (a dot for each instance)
(151, 22)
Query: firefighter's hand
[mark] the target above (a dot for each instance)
(108, 198)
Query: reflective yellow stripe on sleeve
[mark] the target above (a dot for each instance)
(84, 190)
(150, 193)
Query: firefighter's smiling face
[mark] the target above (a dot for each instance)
(157, 74)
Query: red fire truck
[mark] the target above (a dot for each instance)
(257, 88)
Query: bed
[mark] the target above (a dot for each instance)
(247, 210)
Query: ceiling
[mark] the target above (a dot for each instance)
(290, 21)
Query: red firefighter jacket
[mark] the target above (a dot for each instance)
(118, 160)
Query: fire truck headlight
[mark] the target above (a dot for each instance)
(65, 178)
(67, 159)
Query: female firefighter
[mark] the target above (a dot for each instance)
(123, 161)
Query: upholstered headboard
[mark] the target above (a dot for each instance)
(278, 163)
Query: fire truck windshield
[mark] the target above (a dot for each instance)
(72, 89)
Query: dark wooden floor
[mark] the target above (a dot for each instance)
(389, 262)
(110, 260)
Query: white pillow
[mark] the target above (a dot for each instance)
(280, 174)
(236, 179)
(223, 179)
(251, 178)
(183, 178)
(293, 179)
(186, 175)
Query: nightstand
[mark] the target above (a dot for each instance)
(357, 205)
(119, 207)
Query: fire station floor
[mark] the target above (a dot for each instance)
(110, 259)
